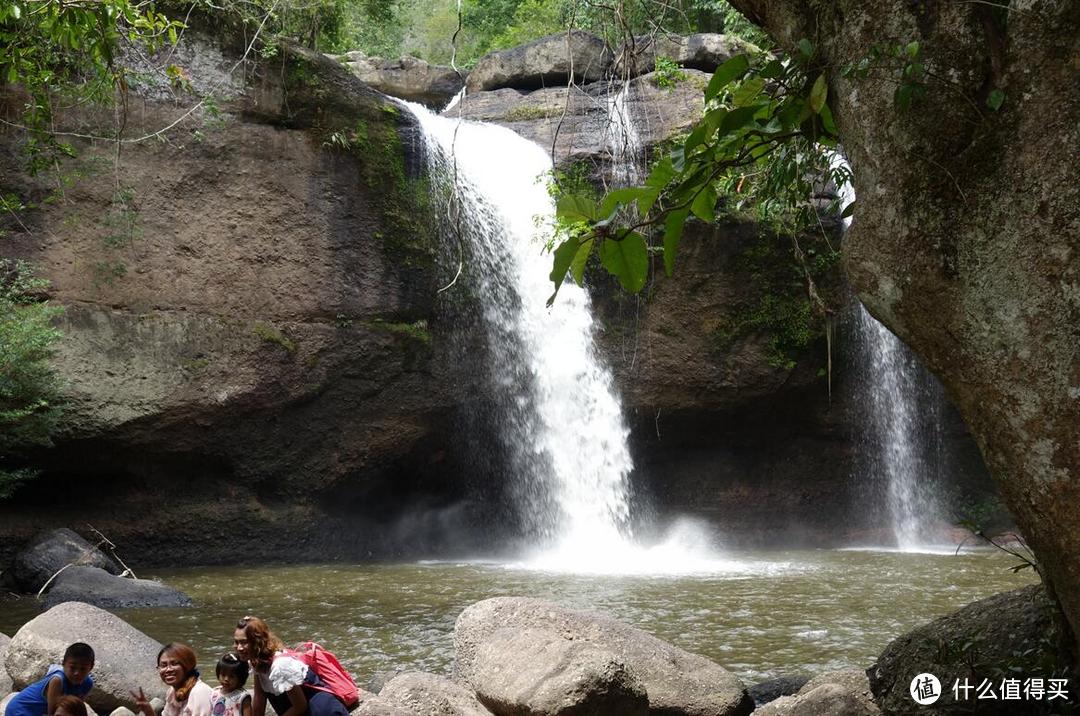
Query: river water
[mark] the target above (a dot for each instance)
(763, 614)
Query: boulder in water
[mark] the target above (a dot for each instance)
(50, 552)
(431, 694)
(125, 656)
(546, 62)
(101, 589)
(771, 689)
(1012, 634)
(676, 681)
(529, 671)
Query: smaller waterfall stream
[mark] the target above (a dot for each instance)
(901, 440)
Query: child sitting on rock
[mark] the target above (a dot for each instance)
(71, 677)
(231, 699)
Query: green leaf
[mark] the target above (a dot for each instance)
(819, 93)
(564, 256)
(748, 91)
(647, 199)
(994, 99)
(738, 118)
(581, 258)
(772, 70)
(704, 206)
(806, 48)
(827, 120)
(673, 229)
(574, 207)
(902, 97)
(627, 259)
(731, 70)
(849, 210)
(912, 49)
(617, 198)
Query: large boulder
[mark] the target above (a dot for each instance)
(101, 589)
(577, 122)
(5, 678)
(676, 681)
(50, 552)
(125, 656)
(702, 51)
(531, 671)
(838, 693)
(431, 694)
(546, 62)
(1012, 634)
(408, 78)
(375, 706)
(771, 689)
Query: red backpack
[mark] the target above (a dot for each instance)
(335, 679)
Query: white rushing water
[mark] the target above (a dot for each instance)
(561, 421)
(902, 432)
(623, 140)
(564, 421)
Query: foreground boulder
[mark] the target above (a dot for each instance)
(5, 679)
(376, 706)
(546, 62)
(1013, 634)
(530, 671)
(125, 656)
(101, 589)
(770, 690)
(675, 681)
(838, 693)
(408, 78)
(50, 552)
(430, 694)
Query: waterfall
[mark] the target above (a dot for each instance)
(901, 432)
(623, 140)
(562, 423)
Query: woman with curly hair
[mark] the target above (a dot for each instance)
(291, 687)
(188, 695)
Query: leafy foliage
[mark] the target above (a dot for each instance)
(761, 146)
(430, 28)
(71, 47)
(29, 400)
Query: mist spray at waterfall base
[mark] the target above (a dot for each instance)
(560, 419)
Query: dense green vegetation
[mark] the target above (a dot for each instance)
(433, 30)
(29, 389)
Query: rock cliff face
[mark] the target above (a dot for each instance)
(252, 347)
(259, 364)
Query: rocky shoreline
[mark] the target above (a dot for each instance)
(520, 655)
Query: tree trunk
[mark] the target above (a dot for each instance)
(966, 234)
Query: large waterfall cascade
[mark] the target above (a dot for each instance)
(901, 440)
(561, 420)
